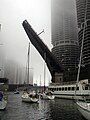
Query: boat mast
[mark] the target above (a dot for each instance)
(44, 70)
(28, 64)
(81, 53)
(40, 80)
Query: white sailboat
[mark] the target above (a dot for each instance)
(83, 106)
(3, 104)
(31, 96)
(3, 100)
(47, 95)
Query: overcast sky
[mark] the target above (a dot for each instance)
(13, 36)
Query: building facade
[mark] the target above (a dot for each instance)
(64, 36)
(83, 18)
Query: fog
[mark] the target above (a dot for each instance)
(14, 41)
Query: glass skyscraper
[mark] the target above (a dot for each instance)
(64, 36)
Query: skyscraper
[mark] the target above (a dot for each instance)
(83, 18)
(64, 36)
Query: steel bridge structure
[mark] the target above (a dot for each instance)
(52, 63)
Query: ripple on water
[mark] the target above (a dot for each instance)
(57, 109)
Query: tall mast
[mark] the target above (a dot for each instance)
(28, 64)
(81, 53)
(40, 80)
(44, 70)
(0, 27)
(80, 61)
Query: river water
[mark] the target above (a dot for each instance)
(58, 109)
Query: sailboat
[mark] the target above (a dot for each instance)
(3, 93)
(82, 106)
(31, 96)
(47, 95)
(3, 102)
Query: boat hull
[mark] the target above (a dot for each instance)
(84, 109)
(26, 98)
(47, 97)
(67, 90)
(30, 100)
(71, 96)
(16, 92)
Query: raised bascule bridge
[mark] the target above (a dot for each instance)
(52, 63)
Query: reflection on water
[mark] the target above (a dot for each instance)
(57, 109)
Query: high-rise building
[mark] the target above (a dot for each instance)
(83, 18)
(64, 36)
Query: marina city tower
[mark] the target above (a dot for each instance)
(83, 18)
(64, 36)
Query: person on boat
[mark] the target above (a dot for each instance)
(1, 95)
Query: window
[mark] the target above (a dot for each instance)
(86, 88)
(55, 89)
(61, 41)
(88, 23)
(72, 88)
(77, 88)
(68, 88)
(60, 79)
(62, 88)
(65, 88)
(72, 41)
(59, 89)
(66, 41)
